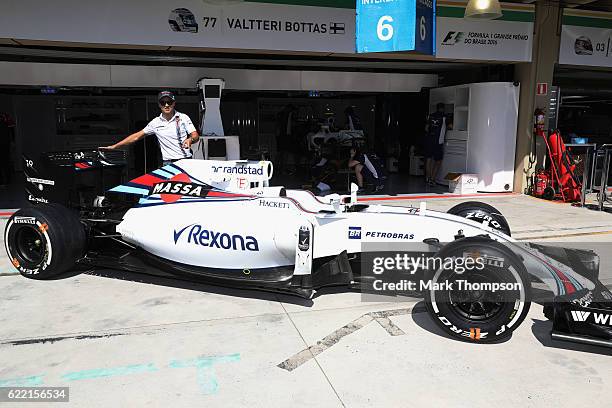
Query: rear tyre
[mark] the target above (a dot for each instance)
(479, 315)
(483, 213)
(45, 241)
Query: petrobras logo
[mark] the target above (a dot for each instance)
(598, 318)
(179, 188)
(354, 233)
(198, 235)
(251, 171)
(389, 235)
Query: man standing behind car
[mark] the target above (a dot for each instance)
(434, 143)
(174, 130)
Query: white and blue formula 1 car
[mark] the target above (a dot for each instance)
(220, 222)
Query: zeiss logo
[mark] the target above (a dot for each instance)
(198, 235)
(354, 233)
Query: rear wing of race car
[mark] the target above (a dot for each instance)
(71, 178)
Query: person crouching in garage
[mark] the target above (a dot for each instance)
(174, 130)
(365, 170)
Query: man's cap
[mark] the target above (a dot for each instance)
(166, 94)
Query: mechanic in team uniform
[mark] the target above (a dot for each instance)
(434, 143)
(365, 169)
(174, 130)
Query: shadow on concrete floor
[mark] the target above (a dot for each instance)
(194, 286)
(541, 330)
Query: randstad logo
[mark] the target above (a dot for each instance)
(198, 235)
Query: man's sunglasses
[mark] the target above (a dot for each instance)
(166, 102)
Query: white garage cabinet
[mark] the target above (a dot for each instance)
(483, 139)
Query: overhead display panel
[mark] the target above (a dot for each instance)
(395, 25)
(586, 39)
(190, 23)
(509, 38)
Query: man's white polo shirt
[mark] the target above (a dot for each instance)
(171, 134)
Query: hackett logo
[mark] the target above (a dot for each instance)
(200, 236)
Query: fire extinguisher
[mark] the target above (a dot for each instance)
(541, 183)
(539, 121)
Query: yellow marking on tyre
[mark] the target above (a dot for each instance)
(43, 227)
(15, 263)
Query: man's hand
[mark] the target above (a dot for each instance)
(187, 143)
(113, 147)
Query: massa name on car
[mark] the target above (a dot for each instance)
(180, 188)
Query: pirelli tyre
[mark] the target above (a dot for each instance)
(483, 213)
(482, 300)
(44, 241)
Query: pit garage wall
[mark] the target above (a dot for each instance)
(107, 76)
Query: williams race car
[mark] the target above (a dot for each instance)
(221, 222)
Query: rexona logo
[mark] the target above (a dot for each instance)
(198, 235)
(598, 318)
(179, 188)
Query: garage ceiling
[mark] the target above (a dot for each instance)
(594, 5)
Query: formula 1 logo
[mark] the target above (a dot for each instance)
(453, 37)
(200, 236)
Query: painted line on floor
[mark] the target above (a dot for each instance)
(382, 318)
(7, 214)
(436, 196)
(109, 372)
(206, 376)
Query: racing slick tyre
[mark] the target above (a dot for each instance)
(483, 213)
(472, 310)
(45, 241)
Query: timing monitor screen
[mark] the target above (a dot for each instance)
(212, 91)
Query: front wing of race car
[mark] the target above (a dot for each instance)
(584, 317)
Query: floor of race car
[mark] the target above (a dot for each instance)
(126, 340)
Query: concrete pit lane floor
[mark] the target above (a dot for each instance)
(119, 339)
